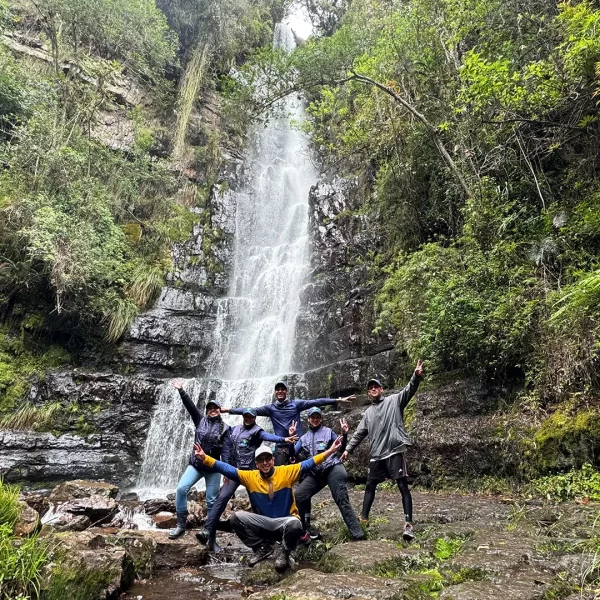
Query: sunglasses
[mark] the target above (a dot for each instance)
(264, 459)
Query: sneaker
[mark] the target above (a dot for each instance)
(408, 535)
(314, 534)
(263, 551)
(305, 539)
(282, 560)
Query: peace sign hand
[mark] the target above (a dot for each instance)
(344, 426)
(292, 428)
(419, 369)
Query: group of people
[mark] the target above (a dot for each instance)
(281, 513)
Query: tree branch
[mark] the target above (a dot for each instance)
(433, 131)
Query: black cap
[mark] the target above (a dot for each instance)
(212, 402)
(281, 383)
(375, 381)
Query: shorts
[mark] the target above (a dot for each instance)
(394, 467)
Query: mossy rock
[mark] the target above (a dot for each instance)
(568, 438)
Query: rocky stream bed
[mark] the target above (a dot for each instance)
(467, 548)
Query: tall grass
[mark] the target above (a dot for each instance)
(28, 416)
(21, 560)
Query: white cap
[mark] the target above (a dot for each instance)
(263, 450)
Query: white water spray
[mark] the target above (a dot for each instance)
(256, 322)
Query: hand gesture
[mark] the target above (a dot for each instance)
(344, 456)
(177, 384)
(198, 452)
(292, 439)
(344, 426)
(224, 410)
(225, 481)
(337, 443)
(419, 369)
(347, 399)
(292, 428)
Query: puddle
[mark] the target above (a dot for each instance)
(215, 581)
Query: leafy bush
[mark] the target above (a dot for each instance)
(576, 484)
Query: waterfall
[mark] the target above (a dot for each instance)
(255, 330)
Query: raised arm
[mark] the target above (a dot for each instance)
(187, 402)
(359, 435)
(264, 436)
(409, 391)
(216, 465)
(261, 411)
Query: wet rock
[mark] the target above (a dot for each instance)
(168, 554)
(112, 564)
(164, 520)
(365, 556)
(154, 506)
(28, 521)
(496, 552)
(37, 500)
(128, 497)
(117, 412)
(520, 585)
(78, 489)
(308, 584)
(92, 499)
(64, 521)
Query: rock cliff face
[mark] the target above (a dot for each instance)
(337, 349)
(455, 432)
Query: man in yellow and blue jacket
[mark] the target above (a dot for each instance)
(275, 517)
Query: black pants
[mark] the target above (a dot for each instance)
(337, 480)
(282, 456)
(394, 468)
(218, 508)
(255, 530)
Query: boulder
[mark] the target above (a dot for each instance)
(104, 562)
(66, 522)
(168, 554)
(164, 520)
(70, 490)
(152, 507)
(28, 521)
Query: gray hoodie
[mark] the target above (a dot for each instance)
(383, 422)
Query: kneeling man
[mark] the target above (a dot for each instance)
(275, 517)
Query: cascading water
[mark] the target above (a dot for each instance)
(256, 321)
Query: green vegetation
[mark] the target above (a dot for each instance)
(21, 561)
(581, 483)
(446, 548)
(472, 131)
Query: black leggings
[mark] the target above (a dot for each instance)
(370, 497)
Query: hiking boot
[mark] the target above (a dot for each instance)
(282, 560)
(179, 529)
(305, 539)
(212, 544)
(408, 535)
(260, 553)
(314, 534)
(203, 536)
(359, 538)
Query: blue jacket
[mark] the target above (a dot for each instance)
(211, 434)
(316, 441)
(282, 415)
(243, 442)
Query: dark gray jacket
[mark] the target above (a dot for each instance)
(383, 422)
